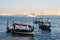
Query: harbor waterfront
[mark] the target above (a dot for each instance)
(38, 33)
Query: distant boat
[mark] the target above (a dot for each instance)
(21, 31)
(44, 25)
(32, 15)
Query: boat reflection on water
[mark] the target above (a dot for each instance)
(10, 36)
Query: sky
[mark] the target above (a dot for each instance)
(28, 6)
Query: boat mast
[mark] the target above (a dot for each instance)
(7, 26)
(33, 25)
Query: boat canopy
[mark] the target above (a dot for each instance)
(23, 24)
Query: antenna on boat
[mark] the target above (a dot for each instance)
(33, 24)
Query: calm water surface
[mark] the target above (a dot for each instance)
(38, 33)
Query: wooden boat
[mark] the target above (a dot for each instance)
(21, 31)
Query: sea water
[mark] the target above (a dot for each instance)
(38, 33)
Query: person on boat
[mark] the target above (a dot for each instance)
(14, 25)
(7, 28)
(32, 28)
